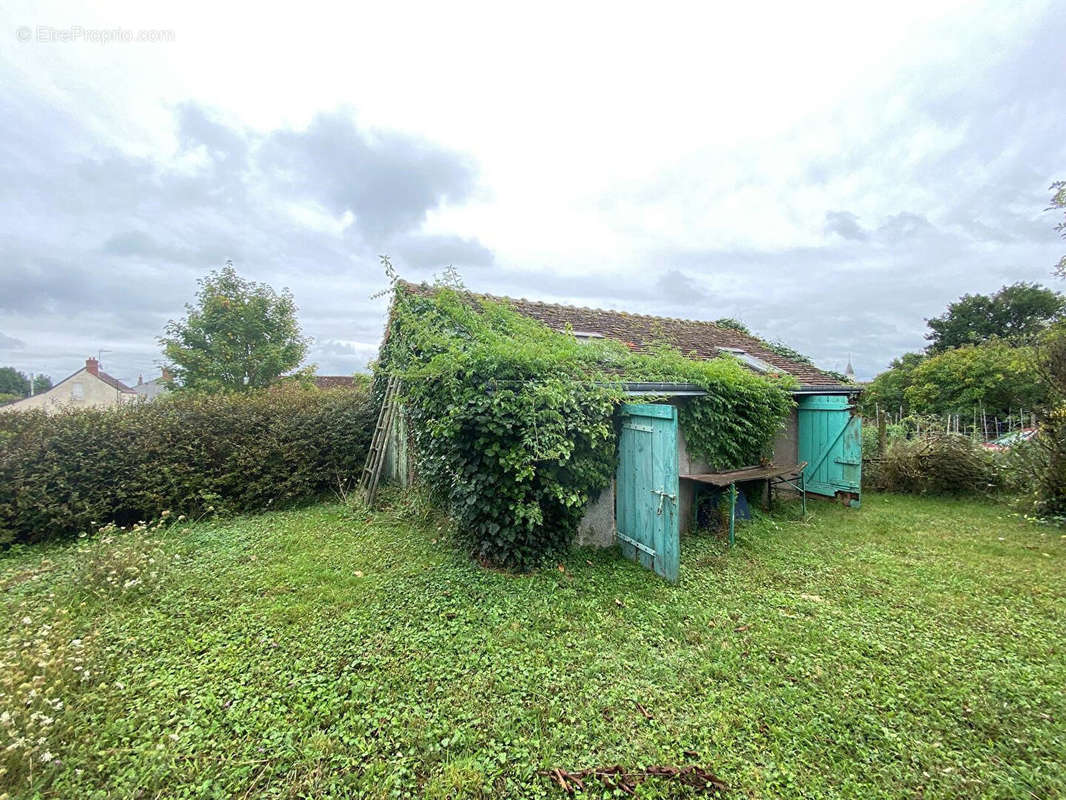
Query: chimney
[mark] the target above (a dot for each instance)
(166, 374)
(92, 366)
(140, 380)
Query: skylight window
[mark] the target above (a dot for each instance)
(584, 336)
(756, 364)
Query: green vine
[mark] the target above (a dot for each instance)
(514, 422)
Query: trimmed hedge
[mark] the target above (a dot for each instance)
(184, 454)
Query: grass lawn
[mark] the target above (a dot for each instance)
(913, 648)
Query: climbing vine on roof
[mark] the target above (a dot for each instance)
(514, 423)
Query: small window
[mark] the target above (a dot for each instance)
(583, 336)
(756, 364)
(77, 390)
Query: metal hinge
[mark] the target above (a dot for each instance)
(639, 545)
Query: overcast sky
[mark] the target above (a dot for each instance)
(829, 173)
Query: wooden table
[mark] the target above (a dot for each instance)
(772, 474)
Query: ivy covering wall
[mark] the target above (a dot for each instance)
(514, 423)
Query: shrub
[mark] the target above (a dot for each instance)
(871, 446)
(514, 422)
(936, 463)
(185, 454)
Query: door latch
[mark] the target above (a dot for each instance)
(662, 500)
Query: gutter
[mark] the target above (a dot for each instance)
(661, 389)
(638, 388)
(837, 389)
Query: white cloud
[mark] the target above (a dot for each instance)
(780, 159)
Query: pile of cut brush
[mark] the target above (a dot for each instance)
(627, 780)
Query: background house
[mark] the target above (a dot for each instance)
(334, 381)
(150, 390)
(89, 387)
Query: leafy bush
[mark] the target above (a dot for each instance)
(1020, 467)
(870, 437)
(514, 422)
(936, 463)
(188, 454)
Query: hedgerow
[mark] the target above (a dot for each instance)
(184, 454)
(514, 423)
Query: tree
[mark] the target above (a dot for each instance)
(995, 377)
(1017, 313)
(240, 335)
(888, 390)
(41, 383)
(13, 382)
(1058, 203)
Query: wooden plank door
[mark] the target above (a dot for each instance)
(646, 506)
(830, 441)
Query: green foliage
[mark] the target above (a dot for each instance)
(1044, 457)
(888, 390)
(320, 653)
(240, 335)
(185, 454)
(994, 376)
(41, 383)
(1017, 313)
(513, 422)
(1058, 203)
(871, 447)
(363, 381)
(735, 423)
(14, 382)
(7, 397)
(936, 463)
(733, 324)
(782, 349)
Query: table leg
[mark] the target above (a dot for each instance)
(732, 512)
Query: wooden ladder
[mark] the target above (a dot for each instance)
(375, 457)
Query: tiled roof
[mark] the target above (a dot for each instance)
(334, 381)
(114, 383)
(703, 339)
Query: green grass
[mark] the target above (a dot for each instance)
(914, 648)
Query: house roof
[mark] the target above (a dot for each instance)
(703, 339)
(114, 383)
(334, 381)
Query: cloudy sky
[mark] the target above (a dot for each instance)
(828, 174)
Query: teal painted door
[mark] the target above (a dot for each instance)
(830, 441)
(646, 488)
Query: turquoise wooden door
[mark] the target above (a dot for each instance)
(830, 441)
(646, 516)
